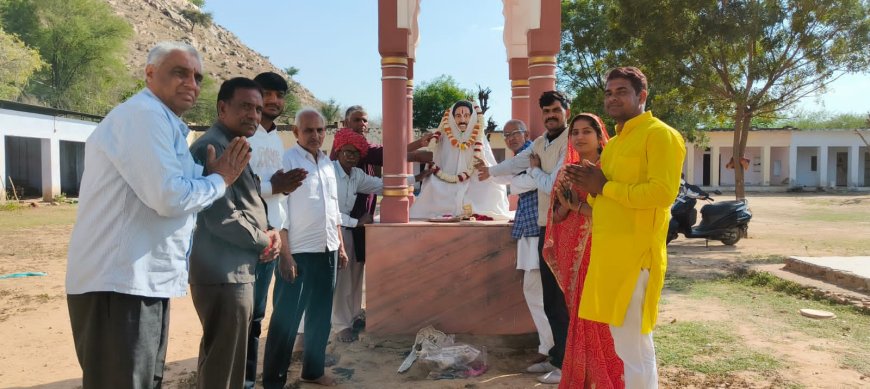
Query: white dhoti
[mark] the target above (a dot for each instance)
(636, 350)
(527, 261)
(347, 299)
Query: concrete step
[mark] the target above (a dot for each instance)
(822, 288)
(851, 273)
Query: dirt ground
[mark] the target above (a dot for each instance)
(36, 348)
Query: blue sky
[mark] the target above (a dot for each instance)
(334, 45)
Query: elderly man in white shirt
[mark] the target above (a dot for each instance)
(267, 149)
(349, 148)
(311, 244)
(140, 194)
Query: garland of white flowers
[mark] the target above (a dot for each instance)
(444, 128)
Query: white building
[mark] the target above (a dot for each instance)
(783, 158)
(42, 149)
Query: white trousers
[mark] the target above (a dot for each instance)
(636, 350)
(534, 294)
(347, 299)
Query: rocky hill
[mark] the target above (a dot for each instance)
(224, 55)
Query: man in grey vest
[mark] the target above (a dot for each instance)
(231, 236)
(548, 151)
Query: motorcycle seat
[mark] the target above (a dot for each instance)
(722, 208)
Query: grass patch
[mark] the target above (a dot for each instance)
(678, 284)
(10, 206)
(708, 348)
(27, 217)
(772, 306)
(857, 361)
(765, 259)
(830, 215)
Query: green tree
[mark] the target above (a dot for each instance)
(291, 71)
(83, 43)
(195, 16)
(433, 97)
(592, 45)
(204, 112)
(17, 64)
(331, 111)
(823, 120)
(198, 3)
(588, 51)
(291, 106)
(750, 58)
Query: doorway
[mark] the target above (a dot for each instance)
(842, 168)
(706, 171)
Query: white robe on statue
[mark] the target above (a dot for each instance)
(438, 198)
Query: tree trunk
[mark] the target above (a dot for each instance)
(742, 122)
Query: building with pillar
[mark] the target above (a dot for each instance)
(783, 158)
(42, 149)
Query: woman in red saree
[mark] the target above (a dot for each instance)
(590, 358)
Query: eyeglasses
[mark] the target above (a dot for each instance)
(350, 153)
(512, 134)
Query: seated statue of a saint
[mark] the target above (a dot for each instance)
(454, 188)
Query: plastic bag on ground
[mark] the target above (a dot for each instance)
(444, 358)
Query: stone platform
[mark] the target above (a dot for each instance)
(459, 277)
(851, 273)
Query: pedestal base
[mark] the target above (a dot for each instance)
(458, 277)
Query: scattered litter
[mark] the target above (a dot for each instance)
(345, 373)
(817, 314)
(444, 358)
(24, 274)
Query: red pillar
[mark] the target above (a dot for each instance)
(409, 90)
(543, 45)
(393, 47)
(518, 70)
(395, 205)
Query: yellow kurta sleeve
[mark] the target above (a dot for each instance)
(664, 166)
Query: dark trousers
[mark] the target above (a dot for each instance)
(261, 294)
(224, 311)
(311, 293)
(120, 339)
(554, 306)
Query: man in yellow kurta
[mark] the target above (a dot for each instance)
(633, 191)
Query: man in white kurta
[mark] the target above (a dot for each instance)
(459, 142)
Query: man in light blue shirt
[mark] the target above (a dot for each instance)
(140, 194)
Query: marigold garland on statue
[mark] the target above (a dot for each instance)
(445, 128)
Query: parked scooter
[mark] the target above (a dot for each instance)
(726, 221)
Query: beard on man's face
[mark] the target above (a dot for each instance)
(271, 112)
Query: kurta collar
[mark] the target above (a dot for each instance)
(181, 125)
(305, 154)
(524, 146)
(340, 170)
(633, 122)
